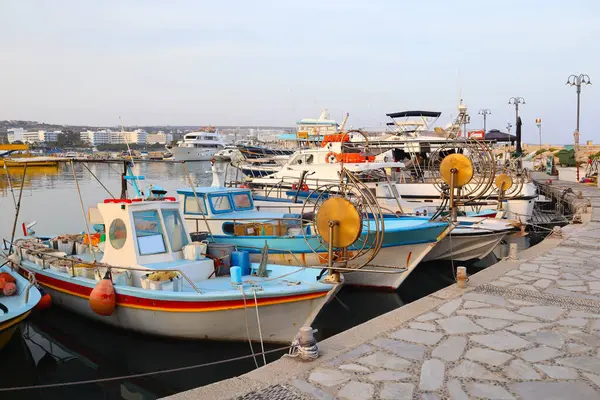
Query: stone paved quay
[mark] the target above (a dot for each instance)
(523, 329)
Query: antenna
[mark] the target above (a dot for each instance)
(137, 182)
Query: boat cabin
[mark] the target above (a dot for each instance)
(232, 212)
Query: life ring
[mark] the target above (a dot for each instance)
(303, 188)
(332, 157)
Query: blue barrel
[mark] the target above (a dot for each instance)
(236, 275)
(241, 259)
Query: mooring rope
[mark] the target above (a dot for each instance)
(262, 345)
(241, 287)
(140, 375)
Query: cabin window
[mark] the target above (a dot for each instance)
(175, 229)
(117, 233)
(242, 201)
(149, 233)
(191, 205)
(220, 203)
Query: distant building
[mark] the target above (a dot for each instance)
(96, 137)
(159, 138)
(15, 134)
(139, 136)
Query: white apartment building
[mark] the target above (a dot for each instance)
(159, 138)
(15, 134)
(96, 137)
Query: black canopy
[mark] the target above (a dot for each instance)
(432, 114)
(495, 134)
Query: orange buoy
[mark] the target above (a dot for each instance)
(45, 302)
(102, 298)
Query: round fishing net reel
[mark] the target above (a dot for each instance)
(347, 222)
(481, 170)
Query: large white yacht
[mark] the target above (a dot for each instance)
(196, 146)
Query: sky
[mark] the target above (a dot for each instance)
(274, 62)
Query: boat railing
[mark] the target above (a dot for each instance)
(42, 255)
(258, 220)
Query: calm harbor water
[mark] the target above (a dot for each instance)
(55, 346)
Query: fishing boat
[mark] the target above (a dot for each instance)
(140, 271)
(17, 299)
(229, 215)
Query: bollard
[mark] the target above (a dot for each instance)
(461, 277)
(512, 252)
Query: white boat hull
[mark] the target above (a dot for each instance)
(465, 247)
(192, 154)
(396, 258)
(279, 323)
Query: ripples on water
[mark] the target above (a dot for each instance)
(57, 346)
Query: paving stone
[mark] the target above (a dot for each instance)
(486, 298)
(595, 325)
(357, 391)
(547, 338)
(416, 336)
(586, 338)
(576, 288)
(310, 390)
(328, 377)
(384, 360)
(428, 317)
(582, 314)
(519, 370)
(529, 267)
(542, 276)
(500, 341)
(539, 354)
(525, 327)
(384, 375)
(429, 396)
(595, 273)
(527, 278)
(549, 271)
(576, 348)
(580, 322)
(450, 349)
(485, 356)
(458, 325)
(354, 368)
(554, 390)
(525, 287)
(352, 354)
(556, 372)
(569, 282)
(500, 283)
(487, 391)
(492, 324)
(521, 302)
(469, 369)
(450, 307)
(397, 391)
(594, 285)
(593, 378)
(570, 276)
(423, 326)
(432, 375)
(497, 313)
(456, 391)
(585, 363)
(400, 348)
(474, 304)
(510, 279)
(548, 313)
(513, 272)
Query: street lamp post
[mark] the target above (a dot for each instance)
(485, 112)
(577, 81)
(516, 101)
(538, 122)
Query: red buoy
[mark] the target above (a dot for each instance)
(9, 289)
(102, 298)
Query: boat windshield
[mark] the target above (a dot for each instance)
(175, 230)
(242, 201)
(191, 205)
(220, 203)
(149, 233)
